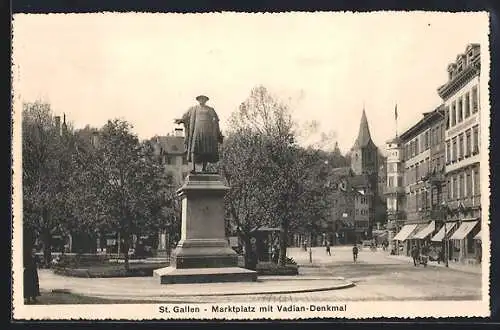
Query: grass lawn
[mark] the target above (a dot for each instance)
(65, 298)
(110, 270)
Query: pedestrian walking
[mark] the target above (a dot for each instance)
(414, 255)
(355, 253)
(328, 249)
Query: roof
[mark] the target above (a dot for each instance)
(171, 144)
(360, 181)
(364, 138)
(342, 171)
(427, 119)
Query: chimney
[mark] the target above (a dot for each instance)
(95, 139)
(178, 132)
(57, 120)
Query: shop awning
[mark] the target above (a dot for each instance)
(419, 228)
(422, 234)
(463, 230)
(478, 236)
(405, 232)
(440, 235)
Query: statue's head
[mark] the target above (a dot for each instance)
(202, 99)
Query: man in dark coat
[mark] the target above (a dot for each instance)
(415, 255)
(202, 133)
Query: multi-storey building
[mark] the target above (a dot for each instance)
(421, 156)
(460, 95)
(171, 151)
(395, 190)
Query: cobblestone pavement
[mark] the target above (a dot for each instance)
(377, 277)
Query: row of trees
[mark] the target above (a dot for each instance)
(274, 181)
(72, 186)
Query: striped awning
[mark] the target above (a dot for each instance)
(440, 234)
(422, 234)
(420, 227)
(464, 229)
(406, 231)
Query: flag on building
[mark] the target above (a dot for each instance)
(396, 112)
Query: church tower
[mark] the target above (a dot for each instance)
(364, 153)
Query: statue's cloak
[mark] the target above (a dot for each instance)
(203, 134)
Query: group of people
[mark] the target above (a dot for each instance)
(355, 251)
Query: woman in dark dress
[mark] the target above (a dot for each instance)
(31, 284)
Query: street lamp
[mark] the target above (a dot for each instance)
(444, 209)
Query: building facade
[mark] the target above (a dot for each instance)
(170, 150)
(460, 95)
(422, 146)
(395, 189)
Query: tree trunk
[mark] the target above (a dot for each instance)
(283, 242)
(126, 246)
(250, 263)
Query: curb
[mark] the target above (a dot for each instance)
(346, 285)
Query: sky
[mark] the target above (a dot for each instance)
(148, 68)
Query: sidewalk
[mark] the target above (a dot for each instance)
(475, 269)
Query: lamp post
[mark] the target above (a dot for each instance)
(445, 242)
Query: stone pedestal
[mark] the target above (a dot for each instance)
(203, 254)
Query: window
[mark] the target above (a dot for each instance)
(468, 143)
(460, 146)
(447, 117)
(416, 173)
(170, 179)
(475, 103)
(461, 186)
(438, 164)
(475, 140)
(468, 183)
(459, 110)
(467, 106)
(442, 133)
(448, 152)
(454, 149)
(442, 161)
(453, 113)
(455, 190)
(184, 160)
(170, 160)
(417, 147)
(400, 181)
(448, 187)
(390, 181)
(477, 181)
(417, 201)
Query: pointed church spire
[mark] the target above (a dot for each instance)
(364, 137)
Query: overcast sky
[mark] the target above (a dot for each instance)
(147, 68)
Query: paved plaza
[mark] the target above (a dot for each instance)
(376, 276)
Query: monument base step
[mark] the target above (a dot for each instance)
(171, 275)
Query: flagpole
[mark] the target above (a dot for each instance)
(396, 118)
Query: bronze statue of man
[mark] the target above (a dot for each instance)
(202, 133)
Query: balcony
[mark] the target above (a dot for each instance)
(396, 215)
(394, 190)
(436, 178)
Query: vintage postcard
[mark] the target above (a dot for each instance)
(251, 166)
